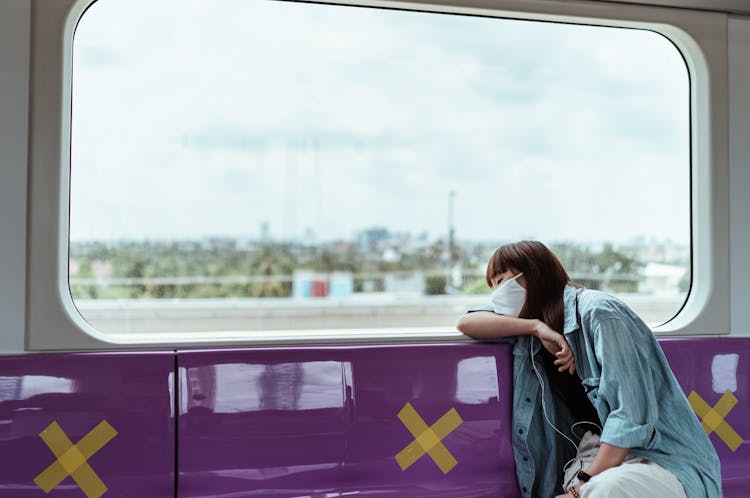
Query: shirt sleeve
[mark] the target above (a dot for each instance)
(481, 308)
(626, 384)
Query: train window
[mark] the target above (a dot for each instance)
(272, 165)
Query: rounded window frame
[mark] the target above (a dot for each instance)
(53, 322)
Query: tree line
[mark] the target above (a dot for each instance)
(130, 270)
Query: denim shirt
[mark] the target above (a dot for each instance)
(628, 380)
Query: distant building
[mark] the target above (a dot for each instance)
(101, 269)
(73, 267)
(372, 237)
(662, 279)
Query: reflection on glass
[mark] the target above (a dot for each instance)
(477, 380)
(724, 372)
(267, 473)
(26, 386)
(241, 387)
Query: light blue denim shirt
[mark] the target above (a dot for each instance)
(629, 382)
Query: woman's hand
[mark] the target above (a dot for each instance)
(555, 343)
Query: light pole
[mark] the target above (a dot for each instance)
(451, 230)
(450, 288)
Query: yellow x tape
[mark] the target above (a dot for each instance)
(71, 460)
(712, 419)
(427, 439)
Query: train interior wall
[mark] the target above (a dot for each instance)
(14, 143)
(343, 450)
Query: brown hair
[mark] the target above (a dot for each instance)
(545, 277)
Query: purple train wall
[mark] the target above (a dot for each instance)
(327, 422)
(87, 425)
(386, 421)
(715, 374)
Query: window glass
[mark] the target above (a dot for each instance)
(269, 165)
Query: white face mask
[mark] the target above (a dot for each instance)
(509, 297)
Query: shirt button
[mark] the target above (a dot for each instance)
(525, 459)
(520, 431)
(528, 400)
(524, 489)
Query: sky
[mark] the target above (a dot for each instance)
(209, 118)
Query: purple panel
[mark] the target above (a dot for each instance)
(260, 423)
(308, 422)
(710, 367)
(131, 391)
(473, 379)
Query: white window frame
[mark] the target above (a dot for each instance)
(53, 323)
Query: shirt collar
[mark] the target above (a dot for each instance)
(570, 323)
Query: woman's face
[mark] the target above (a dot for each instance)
(499, 278)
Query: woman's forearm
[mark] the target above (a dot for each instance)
(608, 456)
(489, 325)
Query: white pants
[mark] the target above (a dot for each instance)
(632, 479)
(635, 478)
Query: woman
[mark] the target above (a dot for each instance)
(644, 439)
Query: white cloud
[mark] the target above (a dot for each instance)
(200, 118)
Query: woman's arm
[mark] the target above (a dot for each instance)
(608, 456)
(489, 325)
(626, 385)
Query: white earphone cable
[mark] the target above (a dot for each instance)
(544, 405)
